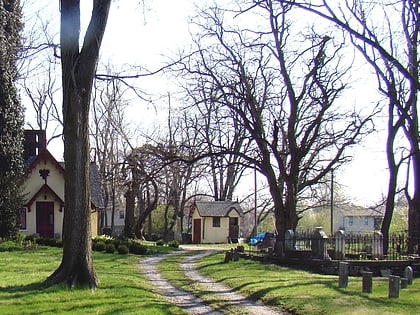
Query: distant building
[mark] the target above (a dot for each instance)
(215, 221)
(356, 219)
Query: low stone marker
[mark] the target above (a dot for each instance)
(394, 287)
(408, 273)
(235, 255)
(367, 282)
(228, 256)
(343, 274)
(403, 283)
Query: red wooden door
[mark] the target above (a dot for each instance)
(45, 219)
(196, 238)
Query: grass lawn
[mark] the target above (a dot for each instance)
(306, 293)
(122, 289)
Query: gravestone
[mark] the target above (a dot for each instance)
(228, 256)
(340, 245)
(288, 240)
(394, 287)
(319, 244)
(377, 245)
(235, 255)
(343, 274)
(367, 282)
(403, 283)
(408, 273)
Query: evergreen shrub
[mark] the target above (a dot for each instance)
(122, 249)
(110, 248)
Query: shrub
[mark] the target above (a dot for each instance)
(160, 243)
(110, 248)
(99, 246)
(19, 239)
(174, 244)
(31, 238)
(122, 249)
(9, 246)
(137, 249)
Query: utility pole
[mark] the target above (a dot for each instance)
(332, 202)
(255, 201)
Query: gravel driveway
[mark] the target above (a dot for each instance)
(190, 303)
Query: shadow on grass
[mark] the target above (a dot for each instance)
(38, 286)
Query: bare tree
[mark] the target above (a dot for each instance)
(387, 36)
(221, 137)
(286, 99)
(39, 73)
(109, 132)
(78, 70)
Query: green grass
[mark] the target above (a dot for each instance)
(122, 290)
(301, 292)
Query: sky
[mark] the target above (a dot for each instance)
(144, 35)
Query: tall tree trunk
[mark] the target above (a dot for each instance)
(78, 70)
(129, 224)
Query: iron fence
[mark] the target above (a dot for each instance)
(359, 246)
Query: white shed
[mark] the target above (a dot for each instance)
(215, 221)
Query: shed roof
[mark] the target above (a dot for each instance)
(217, 208)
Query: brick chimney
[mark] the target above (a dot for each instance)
(35, 143)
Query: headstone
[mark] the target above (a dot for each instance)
(228, 256)
(403, 283)
(320, 244)
(340, 245)
(367, 282)
(288, 240)
(343, 274)
(408, 273)
(377, 245)
(394, 287)
(235, 255)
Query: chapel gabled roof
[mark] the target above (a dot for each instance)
(44, 156)
(96, 195)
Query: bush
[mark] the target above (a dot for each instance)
(160, 243)
(118, 243)
(99, 246)
(110, 248)
(9, 246)
(122, 249)
(174, 244)
(137, 249)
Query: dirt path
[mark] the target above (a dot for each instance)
(186, 301)
(190, 303)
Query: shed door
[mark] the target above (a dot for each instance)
(233, 229)
(45, 219)
(197, 231)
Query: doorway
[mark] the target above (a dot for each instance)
(45, 219)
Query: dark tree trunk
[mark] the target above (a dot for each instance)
(129, 224)
(78, 70)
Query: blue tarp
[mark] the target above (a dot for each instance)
(260, 237)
